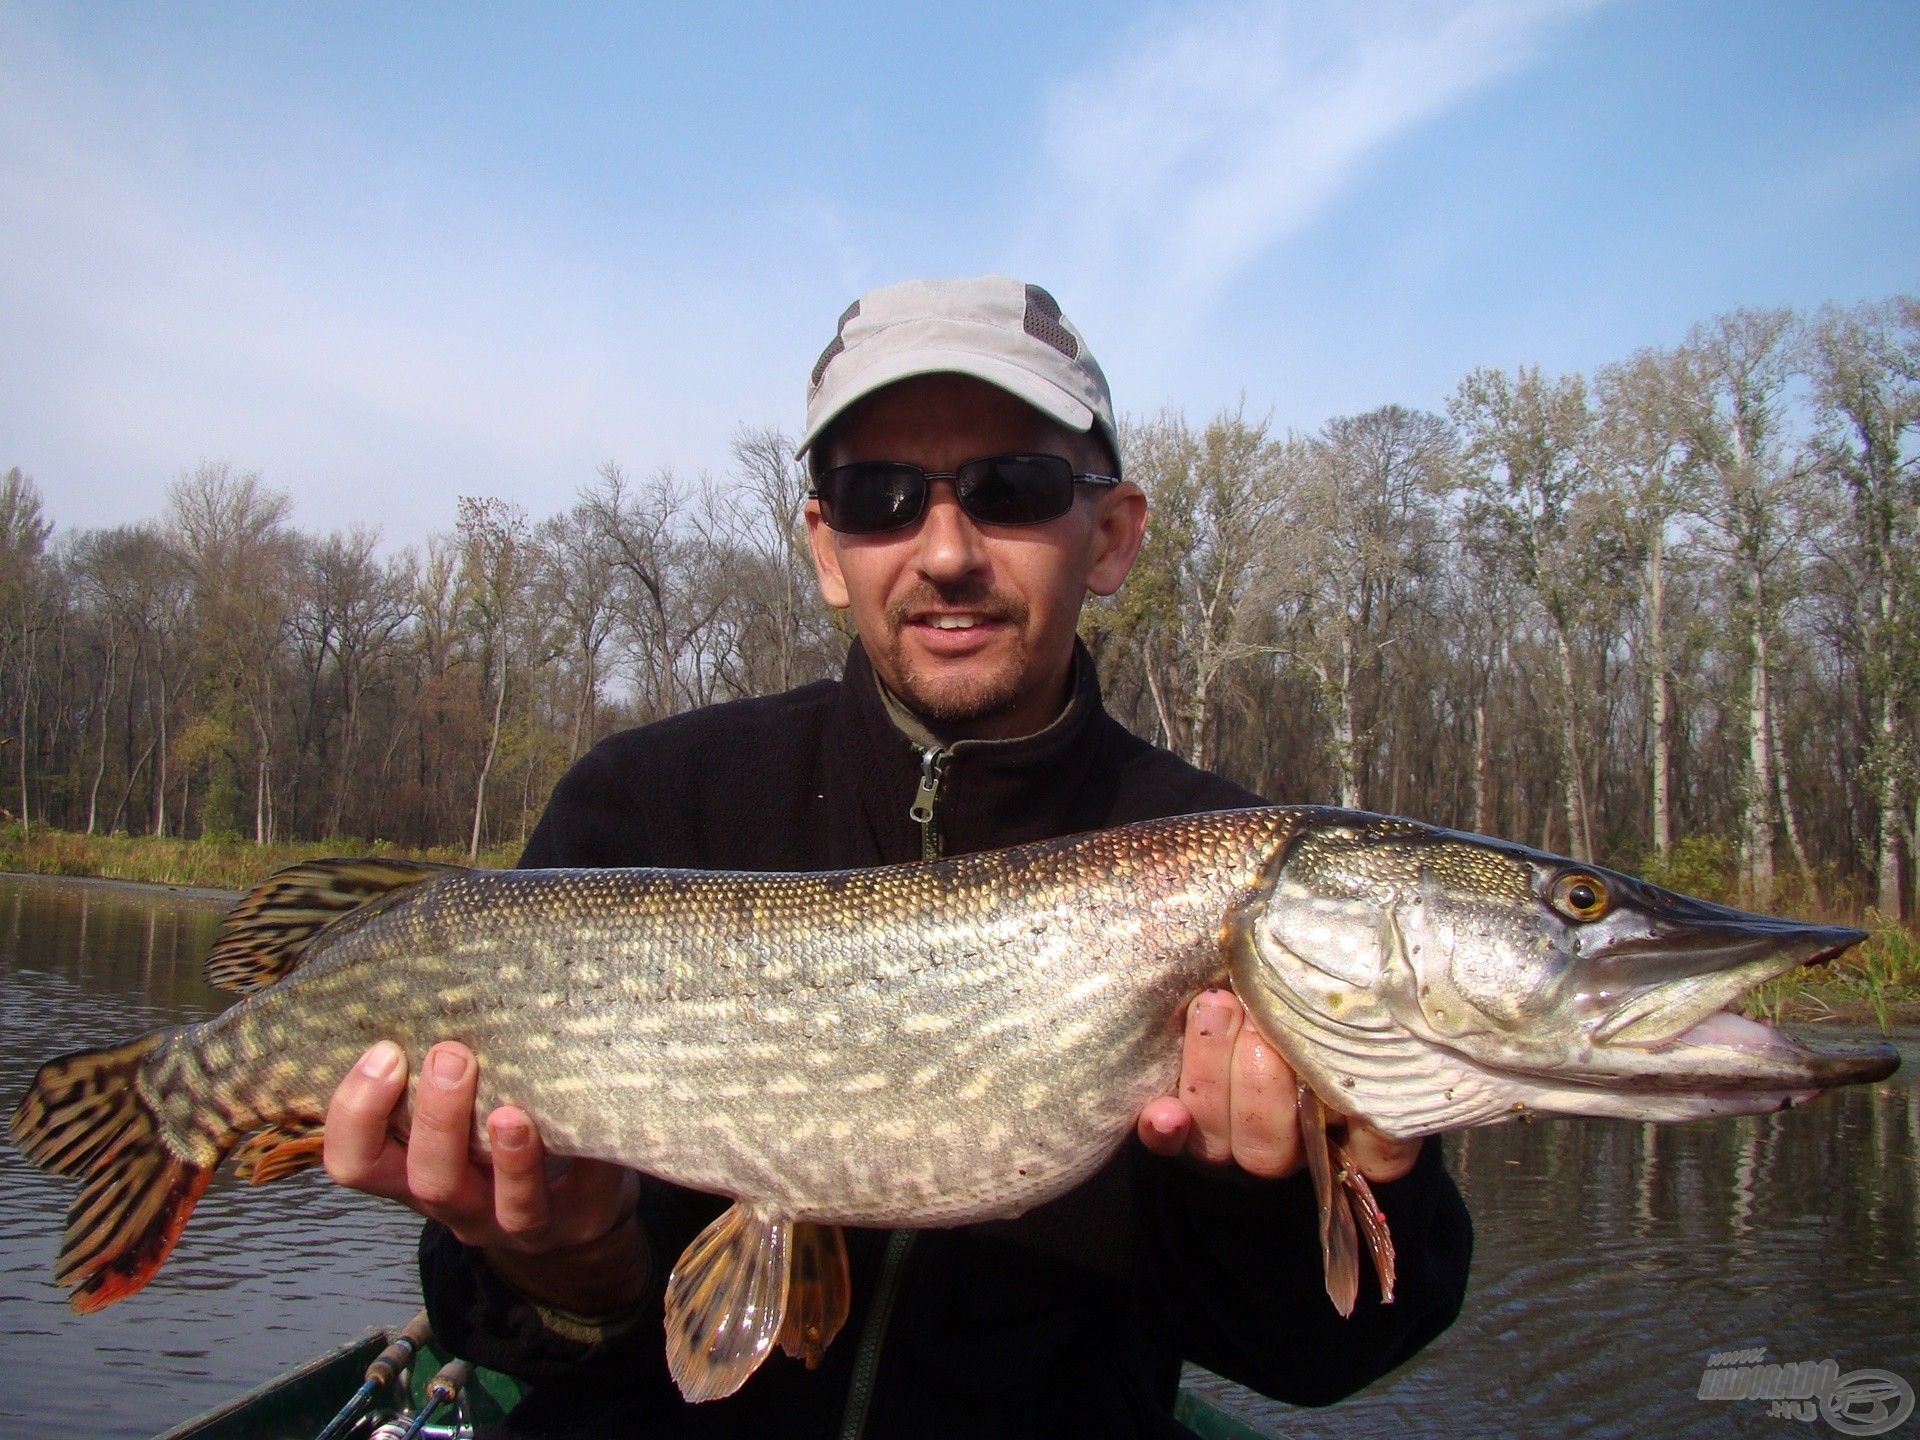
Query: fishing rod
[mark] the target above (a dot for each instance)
(447, 1383)
(381, 1373)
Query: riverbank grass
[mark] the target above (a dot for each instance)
(1877, 982)
(203, 864)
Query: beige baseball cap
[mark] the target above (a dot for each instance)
(994, 328)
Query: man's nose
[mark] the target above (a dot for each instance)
(950, 543)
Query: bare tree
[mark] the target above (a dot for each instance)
(1741, 366)
(1649, 477)
(231, 532)
(1362, 532)
(1201, 599)
(352, 609)
(1523, 437)
(1865, 366)
(496, 566)
(23, 593)
(666, 596)
(576, 583)
(764, 507)
(1518, 622)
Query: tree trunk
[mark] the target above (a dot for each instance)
(160, 760)
(106, 709)
(26, 695)
(1661, 721)
(1757, 839)
(347, 739)
(1196, 707)
(493, 745)
(1159, 703)
(1887, 804)
(1787, 820)
(1483, 818)
(1343, 739)
(1573, 777)
(586, 703)
(1913, 854)
(262, 798)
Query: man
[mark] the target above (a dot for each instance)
(968, 717)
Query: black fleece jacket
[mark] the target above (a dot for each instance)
(1070, 1320)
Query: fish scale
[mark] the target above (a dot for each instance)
(675, 1067)
(930, 1044)
(639, 1029)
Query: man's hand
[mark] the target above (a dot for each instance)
(568, 1240)
(1235, 1103)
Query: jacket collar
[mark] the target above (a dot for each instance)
(993, 792)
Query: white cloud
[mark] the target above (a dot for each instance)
(1208, 137)
(375, 333)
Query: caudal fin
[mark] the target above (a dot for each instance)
(85, 1117)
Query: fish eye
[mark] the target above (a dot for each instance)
(1580, 896)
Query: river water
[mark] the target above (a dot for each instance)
(1612, 1259)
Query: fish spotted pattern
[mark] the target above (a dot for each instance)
(932, 1044)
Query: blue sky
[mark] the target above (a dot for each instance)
(390, 255)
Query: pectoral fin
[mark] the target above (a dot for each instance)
(1339, 1241)
(819, 1293)
(726, 1300)
(1348, 1211)
(1373, 1221)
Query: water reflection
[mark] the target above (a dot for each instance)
(262, 1279)
(1613, 1258)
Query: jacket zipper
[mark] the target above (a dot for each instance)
(924, 812)
(866, 1364)
(926, 800)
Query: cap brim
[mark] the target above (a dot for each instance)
(1049, 399)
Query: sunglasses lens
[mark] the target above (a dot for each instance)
(1016, 489)
(872, 496)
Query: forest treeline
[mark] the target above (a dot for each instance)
(1663, 616)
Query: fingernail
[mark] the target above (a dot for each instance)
(513, 1135)
(381, 1061)
(447, 1065)
(1214, 1010)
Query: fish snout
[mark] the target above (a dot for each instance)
(1705, 939)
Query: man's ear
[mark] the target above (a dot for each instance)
(826, 559)
(1120, 524)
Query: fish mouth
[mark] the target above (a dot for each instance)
(1684, 1032)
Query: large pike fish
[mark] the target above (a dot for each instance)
(931, 1044)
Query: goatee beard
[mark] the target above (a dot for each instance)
(962, 699)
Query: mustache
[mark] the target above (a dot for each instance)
(989, 604)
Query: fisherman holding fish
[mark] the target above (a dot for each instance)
(967, 498)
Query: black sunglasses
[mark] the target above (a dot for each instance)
(870, 497)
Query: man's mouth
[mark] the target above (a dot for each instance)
(955, 625)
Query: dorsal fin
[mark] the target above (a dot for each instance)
(265, 935)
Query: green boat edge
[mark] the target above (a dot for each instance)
(296, 1405)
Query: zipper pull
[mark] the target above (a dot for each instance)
(933, 769)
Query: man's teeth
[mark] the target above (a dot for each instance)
(955, 622)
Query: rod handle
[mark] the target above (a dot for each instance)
(449, 1380)
(400, 1351)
